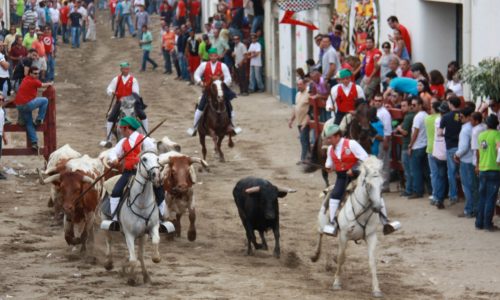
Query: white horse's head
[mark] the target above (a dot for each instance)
(149, 167)
(371, 178)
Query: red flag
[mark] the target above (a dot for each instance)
(288, 19)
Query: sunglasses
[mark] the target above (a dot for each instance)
(35, 73)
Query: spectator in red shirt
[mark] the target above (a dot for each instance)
(27, 101)
(404, 65)
(64, 18)
(195, 16)
(394, 24)
(181, 13)
(371, 80)
(437, 84)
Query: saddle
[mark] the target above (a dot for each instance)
(110, 183)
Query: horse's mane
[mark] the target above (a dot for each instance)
(372, 164)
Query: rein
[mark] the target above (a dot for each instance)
(364, 210)
(130, 204)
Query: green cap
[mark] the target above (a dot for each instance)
(344, 73)
(329, 129)
(130, 121)
(212, 51)
(124, 64)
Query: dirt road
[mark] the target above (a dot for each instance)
(435, 256)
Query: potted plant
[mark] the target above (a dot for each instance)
(484, 79)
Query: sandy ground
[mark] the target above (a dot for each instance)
(435, 256)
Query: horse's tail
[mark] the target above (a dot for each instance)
(322, 222)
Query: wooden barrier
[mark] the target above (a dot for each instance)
(48, 128)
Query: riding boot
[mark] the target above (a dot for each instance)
(331, 229)
(389, 226)
(107, 143)
(165, 226)
(145, 125)
(112, 225)
(197, 116)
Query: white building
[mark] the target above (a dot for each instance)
(441, 31)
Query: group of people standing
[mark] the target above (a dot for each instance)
(443, 136)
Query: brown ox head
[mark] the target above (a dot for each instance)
(71, 185)
(178, 175)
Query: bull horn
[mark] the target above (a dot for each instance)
(199, 161)
(52, 178)
(286, 190)
(164, 161)
(253, 189)
(104, 161)
(87, 179)
(50, 170)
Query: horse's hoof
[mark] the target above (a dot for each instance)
(222, 160)
(378, 294)
(50, 203)
(191, 235)
(108, 265)
(132, 281)
(146, 279)
(156, 259)
(250, 253)
(337, 286)
(277, 254)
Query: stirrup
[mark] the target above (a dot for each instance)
(390, 227)
(330, 229)
(105, 144)
(237, 130)
(110, 225)
(191, 131)
(167, 227)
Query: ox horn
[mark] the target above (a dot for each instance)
(286, 190)
(40, 177)
(253, 189)
(164, 161)
(50, 170)
(52, 178)
(199, 161)
(87, 179)
(105, 162)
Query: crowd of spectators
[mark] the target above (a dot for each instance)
(448, 145)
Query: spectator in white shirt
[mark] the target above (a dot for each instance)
(417, 147)
(256, 83)
(384, 152)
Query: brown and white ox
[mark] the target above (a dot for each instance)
(178, 178)
(63, 154)
(74, 177)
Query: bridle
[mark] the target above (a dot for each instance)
(148, 178)
(364, 208)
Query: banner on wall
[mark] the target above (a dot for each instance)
(359, 19)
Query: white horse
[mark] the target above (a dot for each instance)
(139, 215)
(358, 219)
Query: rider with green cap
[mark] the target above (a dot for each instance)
(128, 126)
(343, 157)
(204, 75)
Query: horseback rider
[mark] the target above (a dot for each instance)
(343, 96)
(344, 156)
(128, 126)
(212, 70)
(123, 85)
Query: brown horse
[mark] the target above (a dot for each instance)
(215, 121)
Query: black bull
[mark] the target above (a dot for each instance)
(257, 202)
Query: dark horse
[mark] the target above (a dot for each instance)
(215, 121)
(357, 127)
